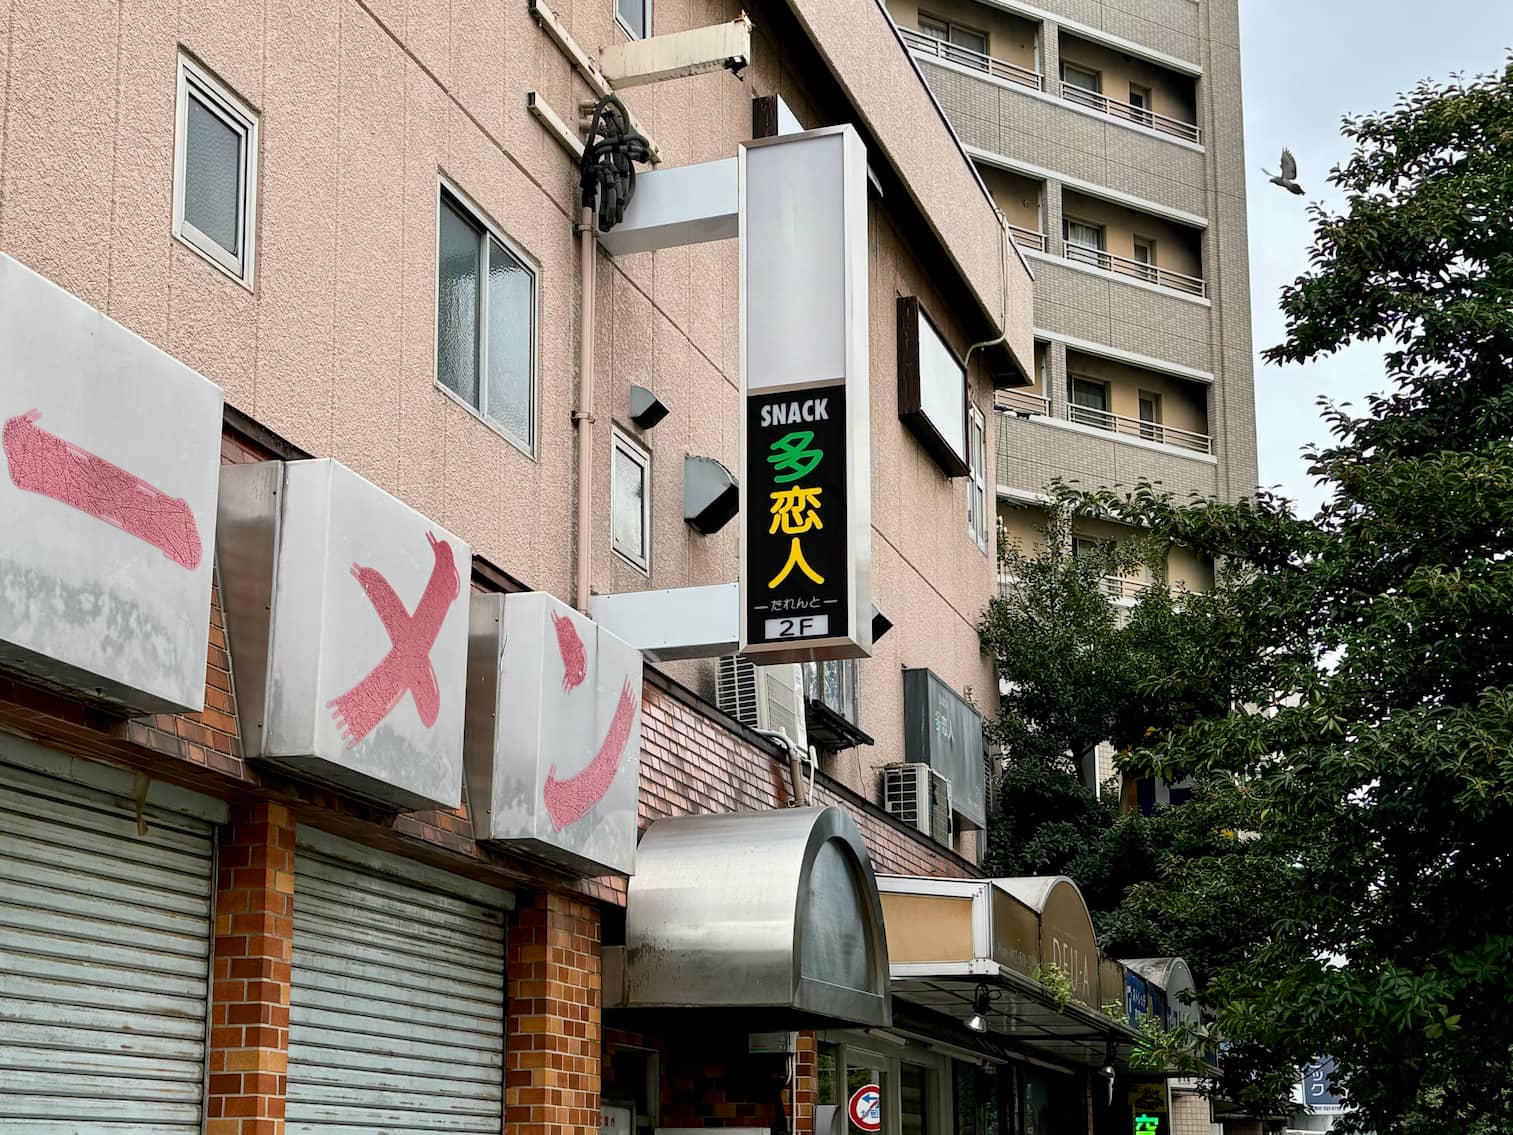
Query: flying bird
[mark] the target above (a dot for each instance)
(1289, 177)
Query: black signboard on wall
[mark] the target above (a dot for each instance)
(796, 516)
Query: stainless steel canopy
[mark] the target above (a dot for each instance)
(760, 910)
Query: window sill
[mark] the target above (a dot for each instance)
(243, 278)
(644, 569)
(487, 423)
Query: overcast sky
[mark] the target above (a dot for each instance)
(1306, 63)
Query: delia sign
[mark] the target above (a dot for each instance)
(806, 525)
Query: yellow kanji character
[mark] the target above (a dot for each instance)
(795, 559)
(795, 510)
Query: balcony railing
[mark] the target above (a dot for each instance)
(1022, 402)
(1135, 115)
(928, 45)
(1027, 238)
(1114, 586)
(1135, 269)
(1134, 427)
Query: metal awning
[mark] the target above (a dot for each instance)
(947, 937)
(1022, 1014)
(774, 912)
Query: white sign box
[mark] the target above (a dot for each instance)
(554, 733)
(348, 624)
(109, 456)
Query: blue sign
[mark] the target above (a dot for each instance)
(1136, 1000)
(1318, 1093)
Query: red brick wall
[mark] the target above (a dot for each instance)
(250, 976)
(552, 1025)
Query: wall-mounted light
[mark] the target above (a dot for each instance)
(646, 410)
(982, 1003)
(881, 624)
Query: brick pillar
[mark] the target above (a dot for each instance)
(552, 1027)
(806, 1084)
(249, 1001)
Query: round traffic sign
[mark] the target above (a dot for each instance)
(866, 1107)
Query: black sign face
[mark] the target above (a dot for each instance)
(796, 516)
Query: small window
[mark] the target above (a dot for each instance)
(1089, 403)
(1081, 78)
(486, 322)
(630, 489)
(977, 489)
(959, 44)
(635, 17)
(215, 172)
(1084, 242)
(834, 685)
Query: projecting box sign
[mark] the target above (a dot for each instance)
(944, 730)
(554, 733)
(348, 623)
(109, 455)
(806, 558)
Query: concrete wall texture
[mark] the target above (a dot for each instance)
(1143, 181)
(363, 110)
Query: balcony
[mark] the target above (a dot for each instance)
(1136, 116)
(1027, 238)
(1138, 93)
(1135, 427)
(1116, 587)
(1134, 269)
(932, 48)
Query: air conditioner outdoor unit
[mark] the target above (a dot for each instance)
(920, 797)
(764, 697)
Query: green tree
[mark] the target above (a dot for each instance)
(1077, 670)
(1374, 739)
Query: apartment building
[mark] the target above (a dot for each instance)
(1110, 136)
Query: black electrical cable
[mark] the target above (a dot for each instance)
(607, 172)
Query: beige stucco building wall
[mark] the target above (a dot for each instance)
(364, 109)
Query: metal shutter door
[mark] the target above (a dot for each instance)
(104, 961)
(396, 1020)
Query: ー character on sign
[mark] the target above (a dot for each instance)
(795, 510)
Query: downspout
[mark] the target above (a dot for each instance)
(1003, 287)
(583, 416)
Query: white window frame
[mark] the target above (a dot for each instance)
(221, 101)
(622, 442)
(645, 19)
(977, 478)
(469, 208)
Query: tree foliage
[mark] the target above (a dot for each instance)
(1373, 645)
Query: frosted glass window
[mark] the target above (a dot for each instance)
(630, 517)
(215, 172)
(509, 337)
(485, 322)
(457, 288)
(212, 177)
(635, 16)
